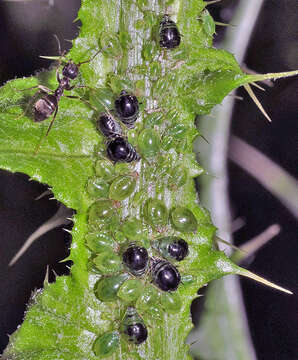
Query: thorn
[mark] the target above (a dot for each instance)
(57, 220)
(50, 57)
(222, 24)
(258, 86)
(45, 193)
(212, 2)
(46, 279)
(237, 97)
(256, 101)
(238, 249)
(258, 278)
(247, 70)
(54, 272)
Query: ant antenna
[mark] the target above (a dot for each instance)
(58, 42)
(99, 51)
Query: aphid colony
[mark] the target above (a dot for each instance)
(127, 109)
(138, 271)
(133, 269)
(126, 106)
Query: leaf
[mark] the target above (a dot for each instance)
(63, 320)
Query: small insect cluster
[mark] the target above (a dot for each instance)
(126, 109)
(133, 265)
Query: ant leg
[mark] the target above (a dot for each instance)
(81, 99)
(47, 133)
(40, 87)
(58, 75)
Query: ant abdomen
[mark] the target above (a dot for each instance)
(44, 107)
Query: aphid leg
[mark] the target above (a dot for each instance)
(49, 128)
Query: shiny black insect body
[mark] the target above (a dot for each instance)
(165, 275)
(178, 249)
(172, 247)
(120, 150)
(108, 126)
(169, 35)
(135, 258)
(133, 327)
(127, 108)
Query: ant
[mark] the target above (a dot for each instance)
(49, 103)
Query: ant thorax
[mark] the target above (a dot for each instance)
(70, 70)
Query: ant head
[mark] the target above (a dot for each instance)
(70, 70)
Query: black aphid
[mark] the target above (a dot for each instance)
(169, 36)
(134, 327)
(120, 150)
(178, 249)
(135, 258)
(127, 108)
(165, 275)
(172, 247)
(108, 126)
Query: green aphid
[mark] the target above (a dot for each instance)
(99, 242)
(107, 287)
(183, 219)
(171, 302)
(130, 290)
(122, 187)
(97, 187)
(149, 143)
(101, 209)
(133, 229)
(108, 262)
(148, 299)
(155, 212)
(106, 344)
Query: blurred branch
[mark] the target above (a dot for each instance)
(274, 178)
(249, 248)
(223, 331)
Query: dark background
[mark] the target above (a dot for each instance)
(27, 31)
